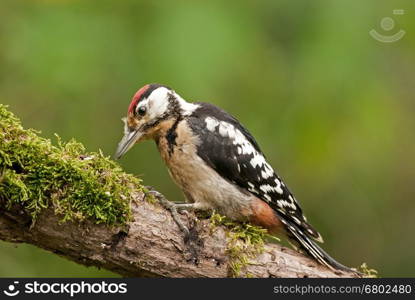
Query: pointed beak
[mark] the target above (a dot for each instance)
(127, 142)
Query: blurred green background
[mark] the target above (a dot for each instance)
(332, 108)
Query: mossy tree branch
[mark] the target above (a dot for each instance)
(83, 207)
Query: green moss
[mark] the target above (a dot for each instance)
(368, 272)
(148, 196)
(78, 185)
(245, 241)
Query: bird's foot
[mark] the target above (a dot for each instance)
(174, 209)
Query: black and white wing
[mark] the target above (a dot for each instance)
(227, 147)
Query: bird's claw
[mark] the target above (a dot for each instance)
(174, 211)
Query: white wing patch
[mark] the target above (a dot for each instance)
(258, 160)
(278, 188)
(227, 130)
(284, 203)
(266, 188)
(244, 147)
(211, 123)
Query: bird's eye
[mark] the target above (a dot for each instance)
(142, 110)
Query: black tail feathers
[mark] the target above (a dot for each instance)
(310, 247)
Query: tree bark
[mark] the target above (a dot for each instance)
(151, 245)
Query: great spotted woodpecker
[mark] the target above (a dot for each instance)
(218, 165)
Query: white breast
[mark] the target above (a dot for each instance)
(199, 181)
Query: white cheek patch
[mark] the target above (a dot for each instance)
(157, 103)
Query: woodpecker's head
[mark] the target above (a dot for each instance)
(151, 106)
